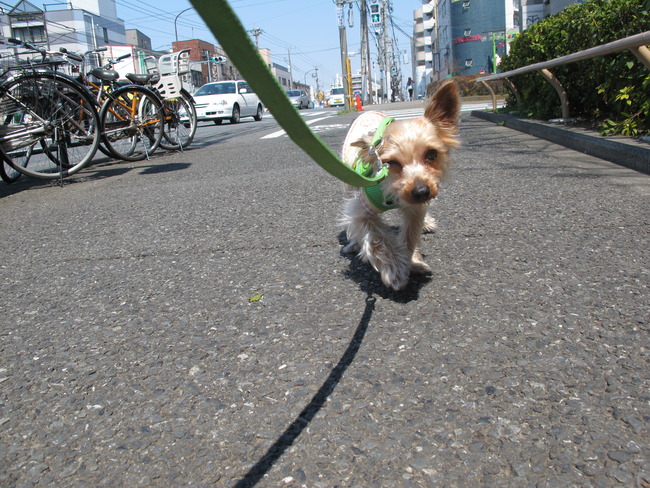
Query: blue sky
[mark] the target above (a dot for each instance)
(307, 28)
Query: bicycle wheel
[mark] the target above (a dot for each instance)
(49, 125)
(7, 172)
(180, 122)
(132, 123)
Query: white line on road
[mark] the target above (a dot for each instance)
(282, 132)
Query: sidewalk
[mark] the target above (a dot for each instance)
(626, 151)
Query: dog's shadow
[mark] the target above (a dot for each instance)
(370, 282)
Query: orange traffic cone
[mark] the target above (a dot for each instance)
(358, 102)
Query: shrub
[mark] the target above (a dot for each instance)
(467, 86)
(612, 90)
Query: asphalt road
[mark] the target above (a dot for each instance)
(190, 321)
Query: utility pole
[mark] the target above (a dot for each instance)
(387, 70)
(344, 52)
(290, 70)
(365, 53)
(255, 32)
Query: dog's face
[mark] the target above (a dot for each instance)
(417, 150)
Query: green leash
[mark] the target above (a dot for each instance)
(227, 29)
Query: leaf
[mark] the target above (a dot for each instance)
(256, 298)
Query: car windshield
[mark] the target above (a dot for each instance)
(215, 89)
(293, 93)
(337, 91)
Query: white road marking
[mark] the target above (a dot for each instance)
(280, 133)
(396, 114)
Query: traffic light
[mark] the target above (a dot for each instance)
(375, 13)
(218, 59)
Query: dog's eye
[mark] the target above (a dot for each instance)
(431, 155)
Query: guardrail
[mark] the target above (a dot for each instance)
(636, 44)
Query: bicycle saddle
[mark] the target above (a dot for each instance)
(105, 74)
(135, 78)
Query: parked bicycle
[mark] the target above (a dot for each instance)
(165, 78)
(131, 117)
(126, 122)
(49, 127)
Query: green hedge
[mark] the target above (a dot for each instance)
(467, 86)
(613, 90)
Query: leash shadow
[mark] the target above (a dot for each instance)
(289, 436)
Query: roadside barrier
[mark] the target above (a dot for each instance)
(635, 44)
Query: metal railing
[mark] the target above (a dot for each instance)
(635, 44)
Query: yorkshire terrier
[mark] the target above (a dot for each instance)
(416, 152)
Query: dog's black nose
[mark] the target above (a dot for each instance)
(421, 193)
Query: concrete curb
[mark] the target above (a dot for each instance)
(631, 155)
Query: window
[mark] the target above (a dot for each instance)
(105, 30)
(467, 32)
(30, 34)
(466, 4)
(468, 63)
(197, 78)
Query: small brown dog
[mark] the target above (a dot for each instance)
(417, 154)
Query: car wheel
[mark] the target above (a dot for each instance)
(260, 113)
(217, 121)
(235, 115)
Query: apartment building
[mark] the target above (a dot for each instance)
(87, 24)
(463, 37)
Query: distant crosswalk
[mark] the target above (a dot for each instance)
(315, 118)
(396, 114)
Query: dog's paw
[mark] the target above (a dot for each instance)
(395, 275)
(350, 248)
(395, 279)
(420, 267)
(430, 224)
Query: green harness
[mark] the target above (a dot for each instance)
(373, 195)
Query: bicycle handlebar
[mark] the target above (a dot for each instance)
(111, 62)
(26, 44)
(76, 57)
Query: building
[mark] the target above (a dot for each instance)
(432, 41)
(463, 37)
(480, 30)
(86, 25)
(203, 67)
(137, 39)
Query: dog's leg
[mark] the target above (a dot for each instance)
(430, 224)
(410, 233)
(376, 244)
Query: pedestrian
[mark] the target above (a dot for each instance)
(409, 89)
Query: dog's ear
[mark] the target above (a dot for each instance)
(444, 107)
(364, 144)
